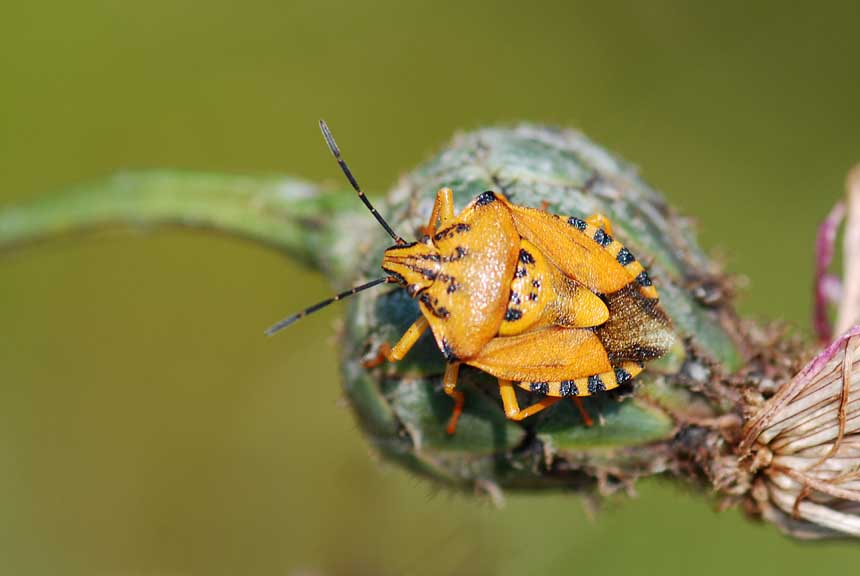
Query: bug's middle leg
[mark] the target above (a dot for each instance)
(404, 345)
(583, 413)
(512, 406)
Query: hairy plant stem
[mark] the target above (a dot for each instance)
(286, 213)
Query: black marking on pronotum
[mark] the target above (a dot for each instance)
(459, 253)
(485, 198)
(602, 238)
(526, 257)
(577, 223)
(521, 273)
(451, 231)
(430, 303)
(622, 376)
(539, 387)
(625, 257)
(568, 388)
(447, 352)
(319, 305)
(512, 315)
(595, 384)
(329, 139)
(450, 280)
(643, 279)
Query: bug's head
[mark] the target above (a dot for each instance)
(414, 266)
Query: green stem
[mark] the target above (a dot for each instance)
(287, 213)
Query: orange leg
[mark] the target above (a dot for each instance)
(404, 345)
(450, 382)
(583, 413)
(601, 221)
(512, 407)
(443, 209)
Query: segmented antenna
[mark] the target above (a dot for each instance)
(336, 152)
(318, 306)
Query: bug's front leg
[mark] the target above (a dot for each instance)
(443, 210)
(512, 406)
(404, 345)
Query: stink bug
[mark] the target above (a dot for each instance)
(552, 304)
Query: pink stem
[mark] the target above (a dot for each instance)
(824, 247)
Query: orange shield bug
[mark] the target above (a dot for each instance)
(551, 304)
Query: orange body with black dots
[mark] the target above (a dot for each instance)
(552, 304)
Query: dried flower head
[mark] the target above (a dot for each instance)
(805, 440)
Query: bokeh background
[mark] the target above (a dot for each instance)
(147, 427)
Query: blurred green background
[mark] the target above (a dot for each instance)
(147, 427)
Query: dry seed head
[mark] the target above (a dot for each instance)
(804, 442)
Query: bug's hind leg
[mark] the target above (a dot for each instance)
(404, 345)
(600, 221)
(449, 380)
(583, 413)
(512, 406)
(443, 210)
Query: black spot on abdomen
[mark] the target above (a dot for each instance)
(512, 315)
(568, 388)
(625, 257)
(539, 388)
(595, 384)
(577, 223)
(622, 376)
(602, 238)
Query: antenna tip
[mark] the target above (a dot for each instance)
(272, 330)
(329, 139)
